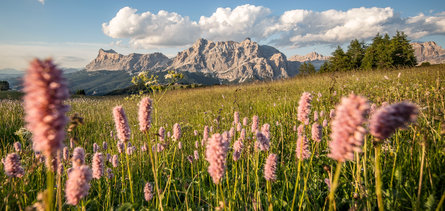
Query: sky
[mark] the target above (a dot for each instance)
(72, 32)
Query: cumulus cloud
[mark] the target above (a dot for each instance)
(148, 29)
(296, 28)
(42, 1)
(237, 24)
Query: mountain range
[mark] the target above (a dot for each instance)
(227, 61)
(205, 62)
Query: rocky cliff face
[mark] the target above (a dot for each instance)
(226, 61)
(235, 61)
(310, 57)
(428, 52)
(110, 60)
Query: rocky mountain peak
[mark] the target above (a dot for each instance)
(111, 60)
(312, 56)
(234, 61)
(428, 52)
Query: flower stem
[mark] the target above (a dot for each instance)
(129, 174)
(378, 179)
(421, 176)
(334, 185)
(50, 184)
(297, 182)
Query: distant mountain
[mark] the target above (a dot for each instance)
(428, 52)
(112, 61)
(235, 61)
(313, 57)
(227, 61)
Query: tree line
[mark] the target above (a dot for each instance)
(383, 53)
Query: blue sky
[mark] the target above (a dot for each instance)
(72, 31)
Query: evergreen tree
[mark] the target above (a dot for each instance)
(402, 53)
(384, 58)
(325, 67)
(307, 68)
(356, 52)
(370, 59)
(339, 60)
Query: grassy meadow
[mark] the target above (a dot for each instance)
(412, 160)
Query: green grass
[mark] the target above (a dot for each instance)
(188, 185)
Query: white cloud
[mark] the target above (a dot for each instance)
(296, 28)
(149, 30)
(237, 24)
(42, 2)
(423, 25)
(303, 27)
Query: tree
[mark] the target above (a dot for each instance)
(356, 52)
(339, 60)
(4, 86)
(402, 53)
(370, 59)
(384, 58)
(307, 68)
(325, 67)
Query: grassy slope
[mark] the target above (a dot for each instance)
(276, 102)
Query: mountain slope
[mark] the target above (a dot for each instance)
(111, 60)
(428, 52)
(235, 61)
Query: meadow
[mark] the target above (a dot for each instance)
(411, 160)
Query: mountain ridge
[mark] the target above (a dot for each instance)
(225, 60)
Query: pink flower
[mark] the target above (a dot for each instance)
(254, 124)
(120, 146)
(45, 90)
(315, 116)
(245, 121)
(205, 135)
(176, 131)
(121, 122)
(316, 132)
(325, 123)
(237, 149)
(98, 165)
(144, 114)
(148, 192)
(347, 131)
(300, 130)
(236, 117)
(78, 184)
(239, 127)
(216, 153)
(302, 149)
(115, 161)
(232, 132)
(262, 142)
(270, 167)
(304, 107)
(17, 146)
(161, 134)
(12, 166)
(265, 129)
(78, 158)
(386, 120)
(243, 134)
(95, 147)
